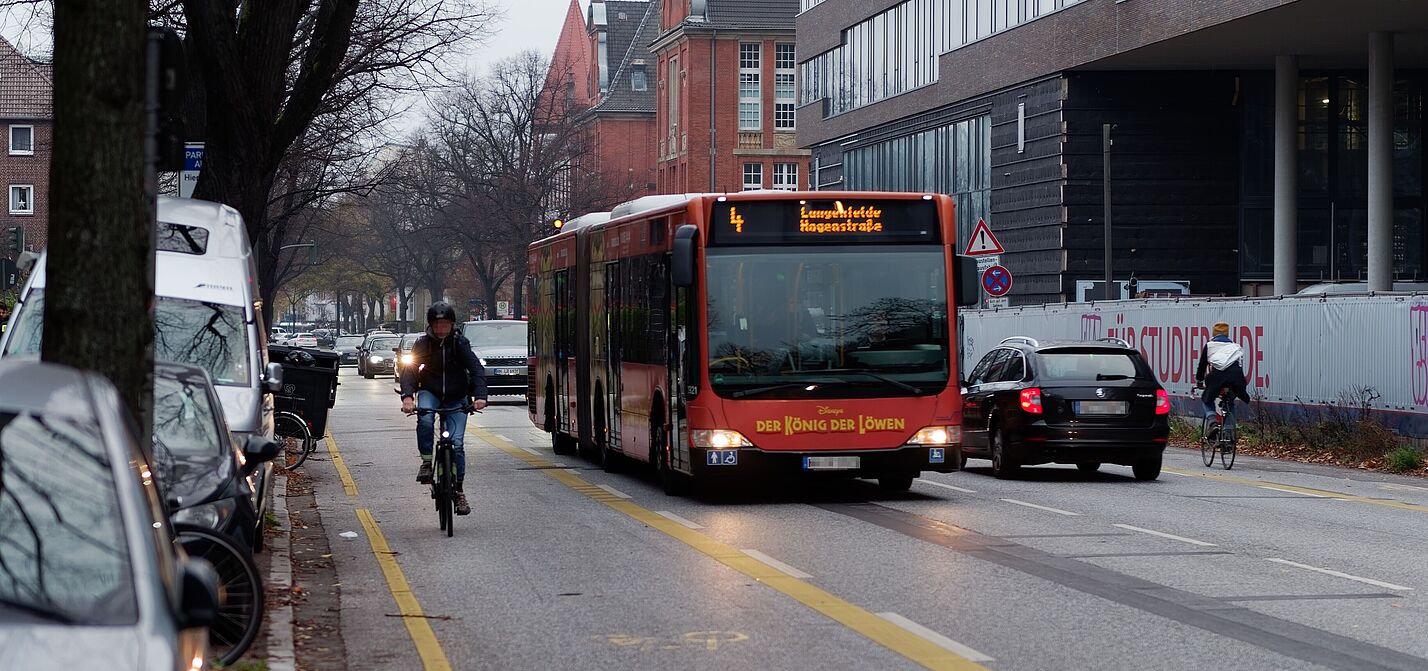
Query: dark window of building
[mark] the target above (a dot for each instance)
(638, 79)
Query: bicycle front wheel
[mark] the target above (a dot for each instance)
(448, 487)
(294, 437)
(1207, 446)
(240, 591)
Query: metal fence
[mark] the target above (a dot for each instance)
(1300, 352)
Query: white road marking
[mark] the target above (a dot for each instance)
(678, 520)
(1339, 574)
(504, 438)
(1397, 487)
(1162, 534)
(532, 451)
(938, 484)
(614, 491)
(936, 639)
(778, 565)
(1291, 491)
(1048, 509)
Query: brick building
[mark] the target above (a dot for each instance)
(1256, 145)
(26, 123)
(727, 82)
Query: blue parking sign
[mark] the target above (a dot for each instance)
(937, 455)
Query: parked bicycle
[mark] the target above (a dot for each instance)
(294, 436)
(1218, 431)
(240, 589)
(443, 481)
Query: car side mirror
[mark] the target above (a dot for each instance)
(198, 594)
(257, 450)
(273, 378)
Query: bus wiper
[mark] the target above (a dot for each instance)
(881, 378)
(51, 614)
(764, 390)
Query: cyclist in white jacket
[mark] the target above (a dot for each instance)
(1220, 367)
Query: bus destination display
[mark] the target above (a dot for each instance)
(824, 222)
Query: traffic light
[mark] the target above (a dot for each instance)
(16, 243)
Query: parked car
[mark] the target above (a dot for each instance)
(404, 354)
(346, 347)
(303, 340)
(204, 472)
(380, 355)
(206, 287)
(93, 576)
(502, 347)
(1084, 403)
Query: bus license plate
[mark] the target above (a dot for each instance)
(1100, 407)
(831, 463)
(722, 457)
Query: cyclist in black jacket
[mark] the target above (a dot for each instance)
(443, 373)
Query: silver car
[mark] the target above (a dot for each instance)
(88, 567)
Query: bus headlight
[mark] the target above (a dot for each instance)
(937, 435)
(719, 439)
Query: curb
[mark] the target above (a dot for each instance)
(281, 653)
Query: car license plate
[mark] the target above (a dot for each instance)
(722, 457)
(831, 463)
(1100, 407)
(510, 371)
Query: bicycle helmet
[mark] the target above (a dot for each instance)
(440, 310)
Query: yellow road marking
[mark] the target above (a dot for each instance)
(852, 616)
(433, 658)
(348, 484)
(1308, 491)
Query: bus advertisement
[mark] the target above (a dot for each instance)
(725, 336)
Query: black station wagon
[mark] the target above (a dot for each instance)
(1084, 403)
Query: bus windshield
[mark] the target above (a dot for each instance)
(827, 322)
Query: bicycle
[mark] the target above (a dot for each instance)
(443, 480)
(240, 590)
(295, 437)
(1223, 439)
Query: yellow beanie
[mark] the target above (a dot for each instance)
(1221, 329)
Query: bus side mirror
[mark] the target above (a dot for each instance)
(686, 250)
(969, 281)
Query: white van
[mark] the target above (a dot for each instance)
(207, 313)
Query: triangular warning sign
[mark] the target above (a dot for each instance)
(983, 242)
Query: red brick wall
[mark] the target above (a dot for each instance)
(33, 170)
(625, 154)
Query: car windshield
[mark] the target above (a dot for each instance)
(1088, 366)
(352, 342)
(383, 344)
(827, 321)
(62, 547)
(496, 334)
(185, 422)
(208, 335)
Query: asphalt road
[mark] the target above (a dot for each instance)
(563, 566)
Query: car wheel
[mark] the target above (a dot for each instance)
(896, 483)
(1148, 469)
(1003, 466)
(1089, 468)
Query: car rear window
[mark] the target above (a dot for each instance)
(1089, 365)
(181, 238)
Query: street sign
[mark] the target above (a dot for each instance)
(982, 241)
(502, 307)
(997, 281)
(192, 165)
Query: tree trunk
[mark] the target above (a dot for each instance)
(518, 294)
(101, 237)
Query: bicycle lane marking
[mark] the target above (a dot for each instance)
(1308, 491)
(877, 629)
(429, 650)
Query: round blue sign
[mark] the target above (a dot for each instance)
(997, 281)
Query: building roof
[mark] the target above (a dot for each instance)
(629, 42)
(751, 14)
(571, 61)
(26, 86)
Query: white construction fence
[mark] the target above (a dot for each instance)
(1299, 351)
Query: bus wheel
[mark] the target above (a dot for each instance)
(673, 483)
(896, 483)
(609, 460)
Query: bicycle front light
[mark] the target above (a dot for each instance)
(211, 515)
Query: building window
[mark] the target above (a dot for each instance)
(785, 87)
(672, 105)
(22, 199)
(753, 176)
(638, 80)
(785, 176)
(750, 90)
(22, 140)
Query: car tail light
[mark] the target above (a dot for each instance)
(1031, 400)
(1162, 402)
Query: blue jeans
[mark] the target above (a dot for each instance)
(455, 426)
(1229, 411)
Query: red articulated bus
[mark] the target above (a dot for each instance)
(720, 336)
